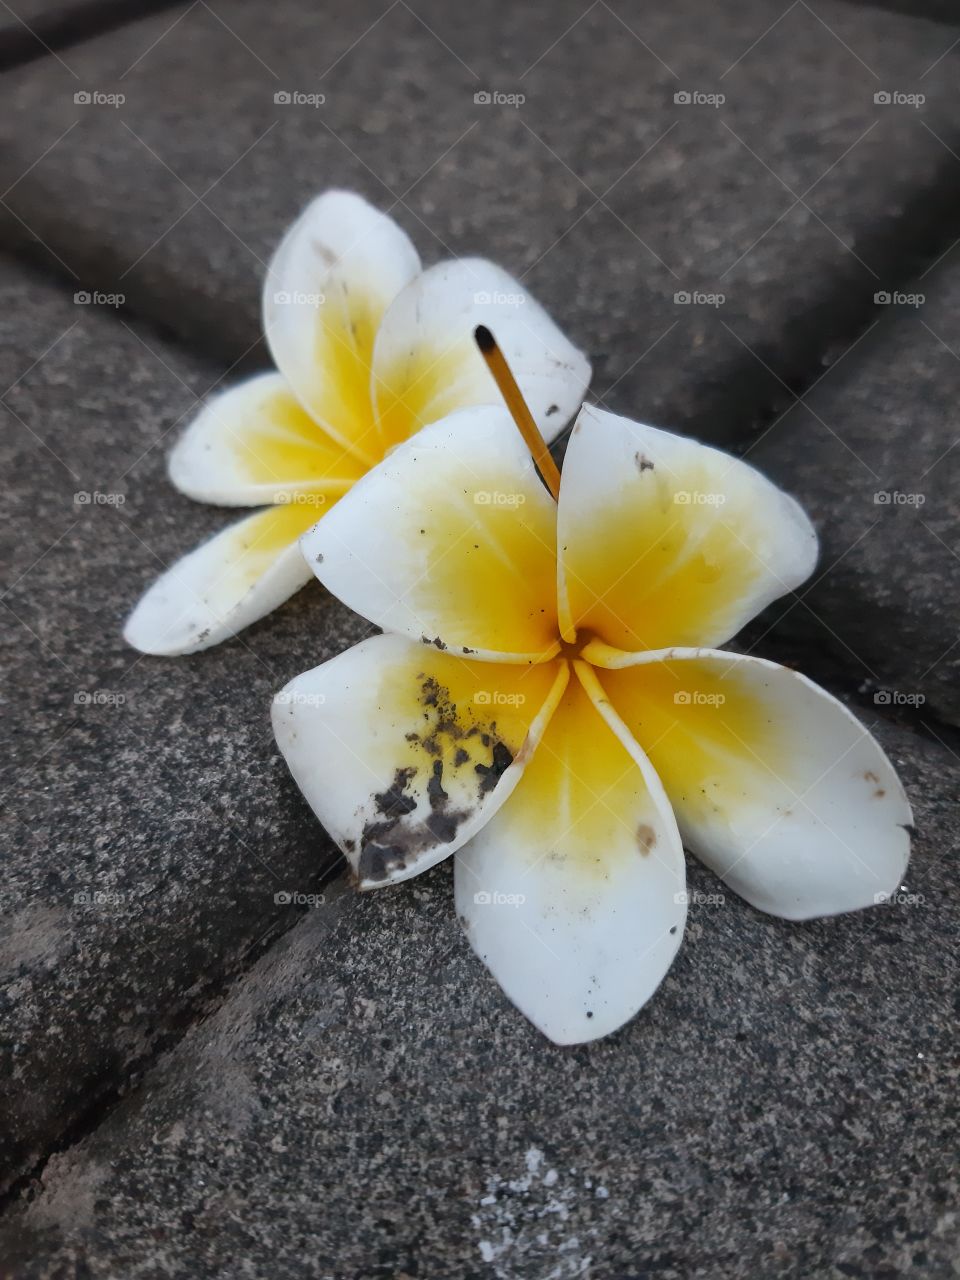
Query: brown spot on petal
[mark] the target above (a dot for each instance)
(415, 813)
(490, 774)
(646, 838)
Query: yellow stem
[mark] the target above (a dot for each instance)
(518, 408)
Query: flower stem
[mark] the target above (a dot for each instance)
(518, 408)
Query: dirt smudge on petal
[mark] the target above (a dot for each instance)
(490, 774)
(403, 827)
(646, 838)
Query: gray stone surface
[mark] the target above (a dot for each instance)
(602, 192)
(873, 453)
(939, 10)
(155, 785)
(366, 1104)
(360, 1100)
(38, 13)
(39, 28)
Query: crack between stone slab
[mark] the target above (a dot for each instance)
(742, 395)
(103, 1100)
(70, 25)
(909, 9)
(901, 250)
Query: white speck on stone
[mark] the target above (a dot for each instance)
(520, 1222)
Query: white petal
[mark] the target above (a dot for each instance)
(450, 540)
(227, 583)
(668, 542)
(328, 285)
(256, 444)
(426, 363)
(573, 894)
(403, 752)
(776, 785)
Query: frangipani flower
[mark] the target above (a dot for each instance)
(548, 703)
(369, 347)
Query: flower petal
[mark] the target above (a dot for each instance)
(235, 578)
(668, 542)
(573, 895)
(403, 753)
(328, 285)
(450, 540)
(426, 362)
(777, 787)
(255, 444)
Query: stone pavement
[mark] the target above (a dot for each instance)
(40, 28)
(199, 1081)
(791, 200)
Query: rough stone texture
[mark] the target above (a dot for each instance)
(367, 1104)
(155, 783)
(939, 10)
(37, 28)
(873, 453)
(364, 1102)
(38, 13)
(605, 195)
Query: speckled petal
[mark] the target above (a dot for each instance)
(777, 787)
(227, 583)
(573, 894)
(327, 288)
(667, 542)
(403, 752)
(426, 362)
(451, 540)
(255, 444)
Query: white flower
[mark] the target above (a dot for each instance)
(548, 703)
(369, 348)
